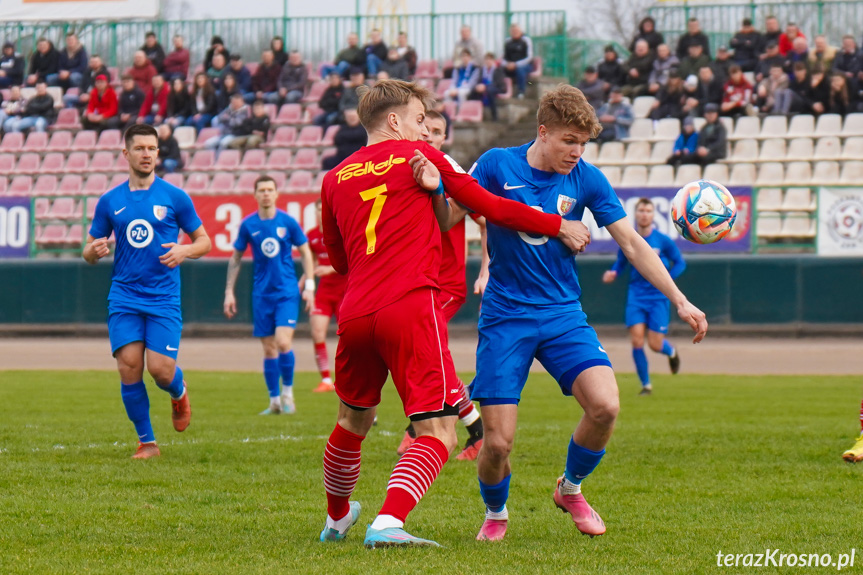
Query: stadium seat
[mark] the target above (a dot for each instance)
(35, 142)
(441, 88)
(96, 185)
(52, 236)
(228, 160)
(71, 184)
(746, 127)
(641, 129)
(427, 69)
(67, 119)
(800, 149)
(41, 208)
(279, 159)
(591, 152)
(774, 127)
(611, 153)
(798, 225)
(205, 134)
(110, 140)
(222, 183)
(319, 181)
(46, 185)
(280, 179)
(290, 114)
(254, 159)
(853, 148)
(661, 151)
(12, 142)
(185, 136)
(246, 181)
(59, 142)
(637, 153)
(716, 173)
(667, 129)
(825, 173)
(507, 93)
(4, 185)
(62, 209)
(799, 173)
(427, 83)
(634, 177)
(853, 125)
(699, 122)
(772, 150)
(175, 179)
(197, 183)
(329, 135)
(76, 163)
(450, 109)
(118, 179)
(612, 173)
(203, 160)
(7, 164)
(52, 163)
(327, 153)
(306, 159)
(315, 92)
(828, 125)
(470, 111)
(310, 136)
(827, 148)
(75, 236)
(660, 176)
(84, 140)
(798, 199)
(769, 224)
(300, 181)
(284, 136)
(642, 105)
(91, 207)
(745, 150)
(852, 173)
(769, 174)
(802, 125)
(102, 162)
(28, 163)
(687, 173)
(769, 199)
(311, 112)
(121, 164)
(726, 121)
(21, 186)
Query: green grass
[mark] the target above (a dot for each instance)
(736, 464)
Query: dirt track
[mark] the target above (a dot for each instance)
(738, 355)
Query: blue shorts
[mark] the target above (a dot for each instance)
(508, 344)
(652, 312)
(159, 328)
(272, 313)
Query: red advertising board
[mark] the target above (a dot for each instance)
(222, 216)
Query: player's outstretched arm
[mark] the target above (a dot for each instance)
(178, 253)
(644, 259)
(309, 274)
(230, 305)
(94, 249)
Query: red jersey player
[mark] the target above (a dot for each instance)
(380, 224)
(328, 299)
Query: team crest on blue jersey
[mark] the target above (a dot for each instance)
(565, 204)
(281, 232)
(160, 212)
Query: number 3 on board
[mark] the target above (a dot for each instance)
(378, 194)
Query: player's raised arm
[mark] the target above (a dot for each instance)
(644, 259)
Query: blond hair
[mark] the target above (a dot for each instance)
(566, 107)
(378, 101)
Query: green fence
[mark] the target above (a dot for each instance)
(721, 21)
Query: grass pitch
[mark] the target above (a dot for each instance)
(707, 464)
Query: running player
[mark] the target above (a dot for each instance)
(146, 214)
(275, 294)
(646, 306)
(531, 306)
(453, 294)
(328, 299)
(855, 454)
(379, 224)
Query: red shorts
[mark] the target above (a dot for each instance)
(328, 301)
(450, 304)
(408, 339)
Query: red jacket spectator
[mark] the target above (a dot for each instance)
(176, 64)
(105, 105)
(143, 75)
(786, 44)
(160, 99)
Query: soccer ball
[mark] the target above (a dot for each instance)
(703, 211)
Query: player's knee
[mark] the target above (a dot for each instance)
(284, 346)
(162, 373)
(604, 412)
(655, 345)
(497, 448)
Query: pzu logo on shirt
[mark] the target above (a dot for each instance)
(139, 233)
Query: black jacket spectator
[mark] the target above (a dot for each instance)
(130, 102)
(714, 137)
(670, 101)
(266, 78)
(517, 50)
(258, 124)
(330, 99)
(216, 45)
(77, 62)
(709, 92)
(156, 55)
(13, 66)
(397, 69)
(170, 150)
(88, 80)
(44, 64)
(611, 72)
(849, 64)
(42, 106)
(180, 104)
(747, 46)
(762, 70)
(688, 40)
(293, 77)
(348, 140)
(593, 91)
(647, 31)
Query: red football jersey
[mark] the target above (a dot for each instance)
(379, 223)
(334, 281)
(452, 278)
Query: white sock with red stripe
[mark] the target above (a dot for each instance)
(412, 476)
(341, 471)
(467, 413)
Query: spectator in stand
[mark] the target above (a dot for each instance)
(131, 99)
(351, 97)
(102, 107)
(350, 138)
(737, 95)
(820, 90)
(224, 94)
(518, 58)
(769, 59)
(848, 61)
(38, 114)
(11, 67)
(14, 107)
(616, 117)
(154, 110)
(722, 64)
(217, 70)
(277, 46)
(465, 78)
(170, 159)
(265, 80)
(154, 51)
(712, 140)
(664, 63)
(232, 123)
(180, 103)
(710, 89)
(693, 36)
(799, 53)
(747, 45)
(217, 46)
(638, 68)
(492, 82)
(257, 128)
(823, 54)
(797, 98)
(592, 88)
(610, 70)
(407, 53)
(351, 56)
(772, 30)
(671, 99)
(176, 64)
(765, 93)
(467, 42)
(376, 53)
(786, 39)
(694, 62)
(241, 74)
(142, 71)
(72, 64)
(203, 103)
(686, 144)
(841, 99)
(44, 64)
(329, 102)
(94, 68)
(647, 31)
(292, 79)
(395, 66)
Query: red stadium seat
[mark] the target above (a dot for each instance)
(84, 140)
(285, 136)
(67, 119)
(205, 135)
(310, 136)
(118, 179)
(272, 111)
(228, 160)
(21, 186)
(75, 236)
(175, 179)
(46, 185)
(280, 179)
(102, 162)
(318, 184)
(197, 183)
(91, 207)
(254, 160)
(301, 181)
(203, 160)
(41, 207)
(110, 140)
(508, 83)
(71, 184)
(62, 209)
(306, 159)
(246, 181)
(35, 142)
(7, 164)
(222, 183)
(470, 111)
(77, 163)
(450, 108)
(290, 114)
(327, 153)
(51, 236)
(121, 164)
(4, 185)
(96, 185)
(28, 163)
(328, 137)
(59, 142)
(312, 112)
(442, 87)
(315, 92)
(52, 163)
(12, 142)
(428, 69)
(280, 159)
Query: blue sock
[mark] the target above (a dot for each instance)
(271, 375)
(176, 387)
(495, 496)
(286, 366)
(667, 348)
(580, 462)
(138, 409)
(641, 365)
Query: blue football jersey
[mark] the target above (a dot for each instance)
(639, 288)
(272, 241)
(539, 271)
(142, 221)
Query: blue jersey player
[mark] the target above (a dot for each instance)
(146, 214)
(272, 234)
(646, 307)
(531, 307)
